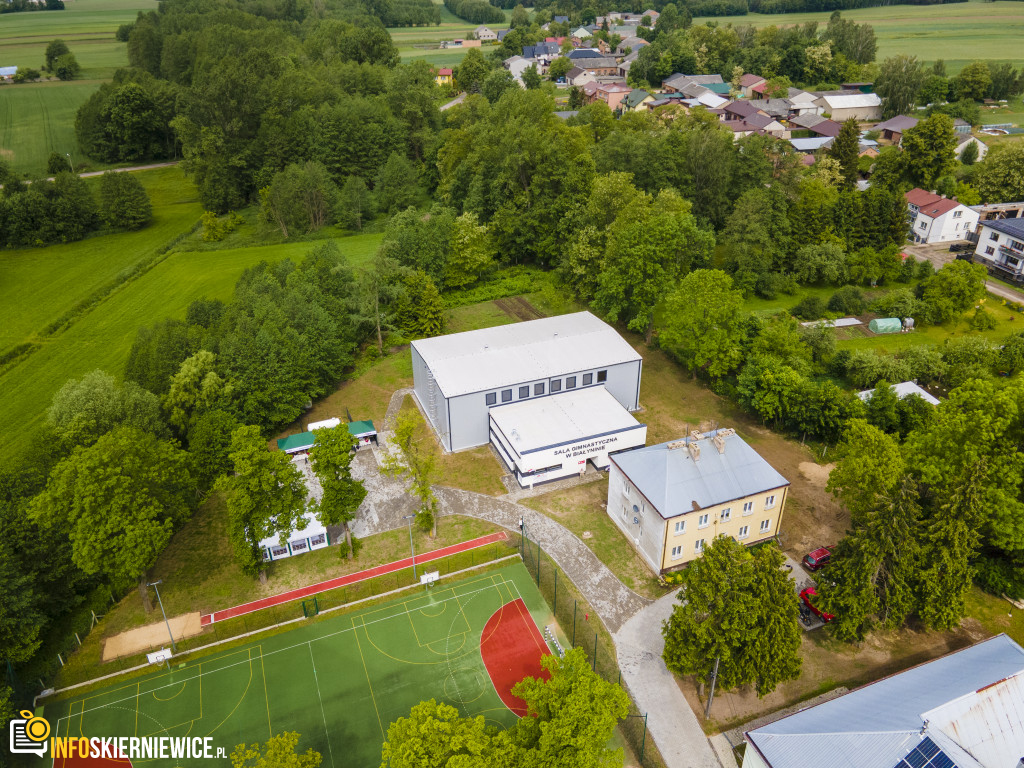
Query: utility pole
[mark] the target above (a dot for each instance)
(70, 161)
(162, 613)
(412, 546)
(711, 693)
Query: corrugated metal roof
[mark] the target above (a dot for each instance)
(867, 728)
(852, 100)
(903, 389)
(509, 354)
(812, 144)
(543, 422)
(673, 482)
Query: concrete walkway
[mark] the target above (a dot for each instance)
(614, 602)
(670, 721)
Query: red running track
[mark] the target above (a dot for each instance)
(342, 581)
(512, 647)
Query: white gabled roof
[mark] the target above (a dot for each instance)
(903, 389)
(510, 354)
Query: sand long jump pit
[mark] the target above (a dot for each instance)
(151, 636)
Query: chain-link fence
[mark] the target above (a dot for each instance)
(583, 629)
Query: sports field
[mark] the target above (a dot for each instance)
(339, 681)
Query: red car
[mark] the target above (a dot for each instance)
(806, 596)
(819, 558)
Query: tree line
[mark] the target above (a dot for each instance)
(475, 11)
(66, 208)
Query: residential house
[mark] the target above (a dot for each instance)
(485, 34)
(892, 130)
(590, 91)
(627, 63)
(803, 102)
(584, 53)
(938, 219)
(630, 45)
(7, 73)
(636, 101)
(501, 34)
(843, 106)
(599, 67)
(811, 145)
(815, 124)
(677, 82)
(671, 500)
(709, 100)
(780, 109)
(763, 124)
(517, 65)
(652, 14)
(581, 34)
(738, 110)
(543, 52)
(579, 77)
(961, 710)
(561, 19)
(612, 94)
(747, 83)
(443, 77)
(1001, 248)
(962, 141)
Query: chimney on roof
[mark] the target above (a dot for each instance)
(694, 449)
(719, 439)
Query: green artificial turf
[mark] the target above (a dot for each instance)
(338, 682)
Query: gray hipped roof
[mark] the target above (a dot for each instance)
(673, 482)
(969, 704)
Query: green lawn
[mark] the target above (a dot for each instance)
(958, 33)
(340, 681)
(102, 337)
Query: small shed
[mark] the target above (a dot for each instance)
(886, 325)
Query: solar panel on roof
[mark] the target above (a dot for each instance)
(926, 755)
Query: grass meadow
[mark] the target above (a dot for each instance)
(39, 285)
(958, 33)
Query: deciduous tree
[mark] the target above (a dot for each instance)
(703, 324)
(930, 150)
(870, 466)
(266, 496)
(124, 203)
(846, 150)
(331, 459)
(899, 80)
(279, 751)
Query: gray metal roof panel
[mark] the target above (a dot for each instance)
(672, 481)
(1013, 227)
(491, 358)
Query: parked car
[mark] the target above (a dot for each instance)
(806, 596)
(819, 558)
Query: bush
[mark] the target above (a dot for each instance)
(216, 228)
(924, 363)
(999, 576)
(925, 270)
(865, 369)
(356, 543)
(809, 308)
(57, 163)
(982, 320)
(898, 303)
(847, 301)
(770, 285)
(124, 203)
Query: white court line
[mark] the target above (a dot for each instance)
(271, 653)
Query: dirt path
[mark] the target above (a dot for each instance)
(519, 308)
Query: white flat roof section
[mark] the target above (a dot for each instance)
(533, 425)
(490, 358)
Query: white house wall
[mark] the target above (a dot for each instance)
(649, 527)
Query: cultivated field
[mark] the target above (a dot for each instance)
(39, 285)
(958, 33)
(39, 118)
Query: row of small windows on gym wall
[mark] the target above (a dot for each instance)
(586, 380)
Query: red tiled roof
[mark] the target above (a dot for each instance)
(443, 72)
(931, 205)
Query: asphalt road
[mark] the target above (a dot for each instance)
(938, 254)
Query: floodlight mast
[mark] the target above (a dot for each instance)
(163, 613)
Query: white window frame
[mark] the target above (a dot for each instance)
(743, 532)
(680, 528)
(766, 525)
(677, 552)
(704, 520)
(748, 508)
(725, 515)
(769, 502)
(698, 546)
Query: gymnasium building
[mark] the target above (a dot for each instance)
(549, 394)
(673, 499)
